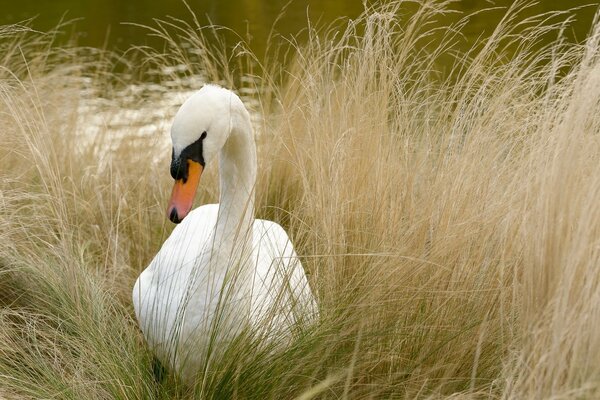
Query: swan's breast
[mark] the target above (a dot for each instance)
(164, 290)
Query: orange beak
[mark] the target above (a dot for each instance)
(183, 193)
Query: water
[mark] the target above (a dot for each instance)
(104, 22)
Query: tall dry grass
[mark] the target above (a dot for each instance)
(448, 221)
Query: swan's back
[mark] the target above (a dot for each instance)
(179, 299)
(282, 294)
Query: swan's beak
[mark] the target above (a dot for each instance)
(183, 193)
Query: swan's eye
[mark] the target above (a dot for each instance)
(179, 166)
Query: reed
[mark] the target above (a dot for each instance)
(447, 219)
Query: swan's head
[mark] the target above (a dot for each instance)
(200, 129)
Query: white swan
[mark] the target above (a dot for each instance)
(221, 270)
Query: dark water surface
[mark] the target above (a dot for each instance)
(102, 22)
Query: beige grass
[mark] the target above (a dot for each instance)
(449, 221)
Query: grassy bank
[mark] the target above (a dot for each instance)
(448, 218)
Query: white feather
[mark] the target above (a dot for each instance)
(220, 271)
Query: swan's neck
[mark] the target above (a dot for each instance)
(237, 168)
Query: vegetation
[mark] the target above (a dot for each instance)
(449, 220)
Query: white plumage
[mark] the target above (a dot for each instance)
(220, 270)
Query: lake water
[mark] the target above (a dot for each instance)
(103, 22)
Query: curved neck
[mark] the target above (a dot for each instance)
(237, 174)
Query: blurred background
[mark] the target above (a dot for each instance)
(107, 23)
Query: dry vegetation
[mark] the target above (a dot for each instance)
(449, 222)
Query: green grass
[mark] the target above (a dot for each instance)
(448, 220)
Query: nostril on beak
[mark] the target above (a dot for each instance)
(173, 216)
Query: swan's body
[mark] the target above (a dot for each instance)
(221, 271)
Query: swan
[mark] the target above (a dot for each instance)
(220, 271)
